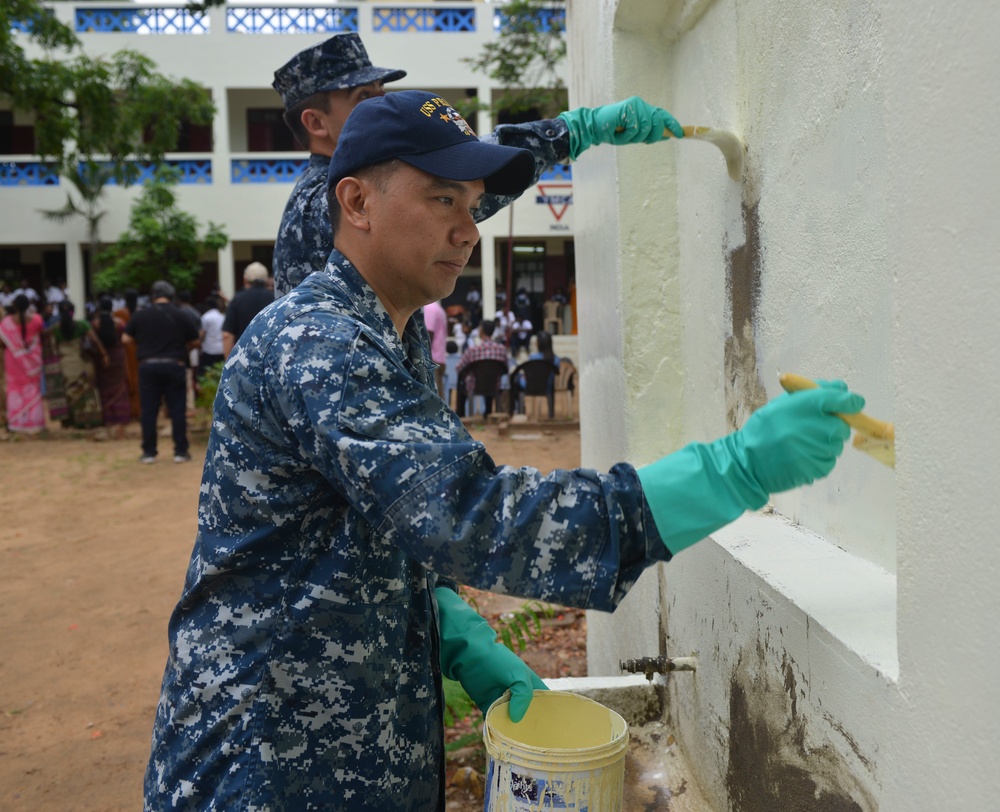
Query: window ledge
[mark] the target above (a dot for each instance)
(853, 599)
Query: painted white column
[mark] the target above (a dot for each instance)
(226, 275)
(848, 646)
(221, 175)
(942, 203)
(75, 285)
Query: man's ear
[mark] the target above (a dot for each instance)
(353, 194)
(314, 123)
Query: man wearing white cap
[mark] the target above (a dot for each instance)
(255, 296)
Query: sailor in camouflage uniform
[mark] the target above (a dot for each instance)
(320, 85)
(342, 500)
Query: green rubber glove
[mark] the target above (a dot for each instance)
(791, 441)
(471, 654)
(632, 121)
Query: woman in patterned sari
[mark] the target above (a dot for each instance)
(75, 384)
(112, 378)
(53, 389)
(21, 336)
(123, 314)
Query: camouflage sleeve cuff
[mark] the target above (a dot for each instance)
(547, 140)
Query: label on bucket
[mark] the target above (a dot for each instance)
(517, 789)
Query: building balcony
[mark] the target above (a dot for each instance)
(300, 18)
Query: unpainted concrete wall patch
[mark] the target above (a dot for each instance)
(771, 765)
(744, 391)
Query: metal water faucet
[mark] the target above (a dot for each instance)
(658, 665)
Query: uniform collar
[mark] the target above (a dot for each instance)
(415, 343)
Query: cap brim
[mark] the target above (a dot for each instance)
(503, 170)
(363, 76)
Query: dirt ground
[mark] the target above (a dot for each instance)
(93, 549)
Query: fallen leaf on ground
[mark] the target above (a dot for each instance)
(468, 779)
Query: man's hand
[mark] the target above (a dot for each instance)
(791, 441)
(632, 121)
(471, 654)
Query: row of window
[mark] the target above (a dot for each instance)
(266, 131)
(19, 139)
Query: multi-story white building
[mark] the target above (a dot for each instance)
(240, 171)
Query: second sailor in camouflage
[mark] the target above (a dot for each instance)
(320, 85)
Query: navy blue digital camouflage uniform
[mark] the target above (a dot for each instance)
(305, 238)
(338, 489)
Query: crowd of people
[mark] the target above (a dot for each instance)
(82, 371)
(491, 339)
(460, 336)
(122, 360)
(61, 367)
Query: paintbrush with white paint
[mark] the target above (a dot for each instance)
(729, 143)
(875, 437)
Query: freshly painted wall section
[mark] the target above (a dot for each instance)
(843, 634)
(941, 66)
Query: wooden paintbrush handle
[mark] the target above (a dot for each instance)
(860, 422)
(689, 131)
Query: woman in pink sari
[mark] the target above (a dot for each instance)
(21, 336)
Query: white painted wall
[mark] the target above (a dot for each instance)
(847, 639)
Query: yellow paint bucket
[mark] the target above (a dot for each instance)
(567, 753)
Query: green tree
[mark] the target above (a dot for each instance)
(116, 109)
(161, 241)
(97, 119)
(525, 57)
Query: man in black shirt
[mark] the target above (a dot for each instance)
(255, 296)
(162, 335)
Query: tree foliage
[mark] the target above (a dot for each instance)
(98, 119)
(161, 242)
(524, 59)
(117, 109)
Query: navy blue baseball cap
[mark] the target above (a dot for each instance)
(426, 132)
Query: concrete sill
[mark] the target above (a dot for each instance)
(852, 599)
(632, 696)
